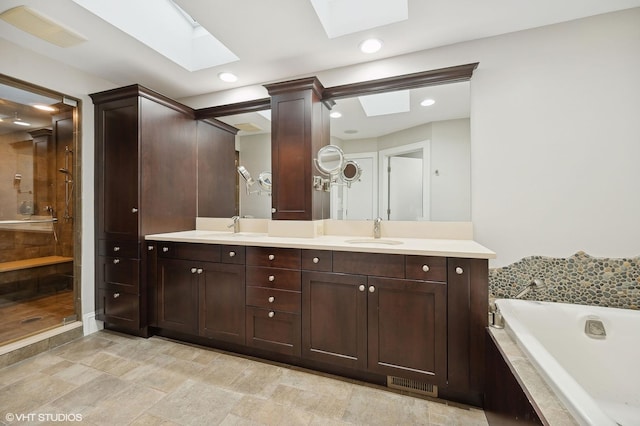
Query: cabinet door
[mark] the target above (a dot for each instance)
(273, 331)
(407, 328)
(120, 309)
(334, 318)
(117, 170)
(222, 302)
(178, 295)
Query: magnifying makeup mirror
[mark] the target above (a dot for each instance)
(246, 176)
(330, 160)
(351, 172)
(264, 180)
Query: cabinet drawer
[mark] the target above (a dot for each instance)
(426, 268)
(118, 248)
(316, 260)
(122, 309)
(120, 273)
(189, 251)
(277, 300)
(273, 331)
(233, 254)
(274, 257)
(284, 279)
(372, 264)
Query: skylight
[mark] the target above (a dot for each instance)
(163, 26)
(350, 16)
(386, 103)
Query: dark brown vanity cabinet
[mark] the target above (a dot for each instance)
(273, 299)
(201, 290)
(387, 325)
(147, 177)
(300, 126)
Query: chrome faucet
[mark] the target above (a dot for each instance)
(235, 225)
(376, 227)
(535, 284)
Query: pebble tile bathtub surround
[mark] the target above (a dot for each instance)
(579, 279)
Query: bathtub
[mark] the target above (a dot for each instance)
(597, 378)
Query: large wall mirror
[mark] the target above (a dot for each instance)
(414, 153)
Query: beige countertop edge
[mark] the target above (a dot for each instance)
(552, 408)
(411, 246)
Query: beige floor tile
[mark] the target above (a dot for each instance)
(87, 396)
(112, 364)
(77, 374)
(124, 407)
(147, 419)
(379, 407)
(196, 403)
(155, 377)
(28, 367)
(26, 395)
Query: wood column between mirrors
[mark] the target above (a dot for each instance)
(299, 127)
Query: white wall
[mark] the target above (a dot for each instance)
(53, 75)
(450, 183)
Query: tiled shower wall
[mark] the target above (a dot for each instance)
(579, 279)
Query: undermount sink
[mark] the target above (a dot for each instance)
(373, 241)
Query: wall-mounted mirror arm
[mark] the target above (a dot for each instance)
(264, 181)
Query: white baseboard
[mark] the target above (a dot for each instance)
(91, 324)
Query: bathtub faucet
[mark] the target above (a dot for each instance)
(535, 284)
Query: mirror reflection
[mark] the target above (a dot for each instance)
(253, 153)
(412, 161)
(413, 147)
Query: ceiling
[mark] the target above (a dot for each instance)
(276, 40)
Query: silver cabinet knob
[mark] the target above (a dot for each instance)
(273, 210)
(361, 288)
(271, 257)
(194, 270)
(272, 278)
(116, 261)
(316, 260)
(271, 299)
(116, 248)
(116, 295)
(165, 249)
(200, 270)
(150, 248)
(232, 253)
(459, 270)
(271, 314)
(134, 210)
(372, 289)
(425, 268)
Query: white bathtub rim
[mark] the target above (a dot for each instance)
(576, 400)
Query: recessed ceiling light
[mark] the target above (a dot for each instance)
(21, 123)
(371, 45)
(335, 114)
(427, 102)
(228, 77)
(44, 107)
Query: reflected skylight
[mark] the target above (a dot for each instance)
(386, 103)
(166, 28)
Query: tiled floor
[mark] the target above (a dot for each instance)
(115, 379)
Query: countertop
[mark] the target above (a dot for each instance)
(389, 245)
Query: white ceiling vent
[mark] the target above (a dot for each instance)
(36, 24)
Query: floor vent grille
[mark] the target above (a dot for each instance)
(412, 386)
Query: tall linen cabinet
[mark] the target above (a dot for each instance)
(146, 182)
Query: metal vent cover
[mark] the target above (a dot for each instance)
(413, 386)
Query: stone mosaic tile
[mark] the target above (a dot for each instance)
(579, 279)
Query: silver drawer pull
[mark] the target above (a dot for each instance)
(361, 288)
(116, 261)
(116, 295)
(200, 270)
(194, 270)
(116, 248)
(134, 210)
(232, 253)
(425, 268)
(150, 248)
(165, 249)
(271, 299)
(372, 289)
(316, 260)
(271, 314)
(272, 278)
(271, 257)
(459, 270)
